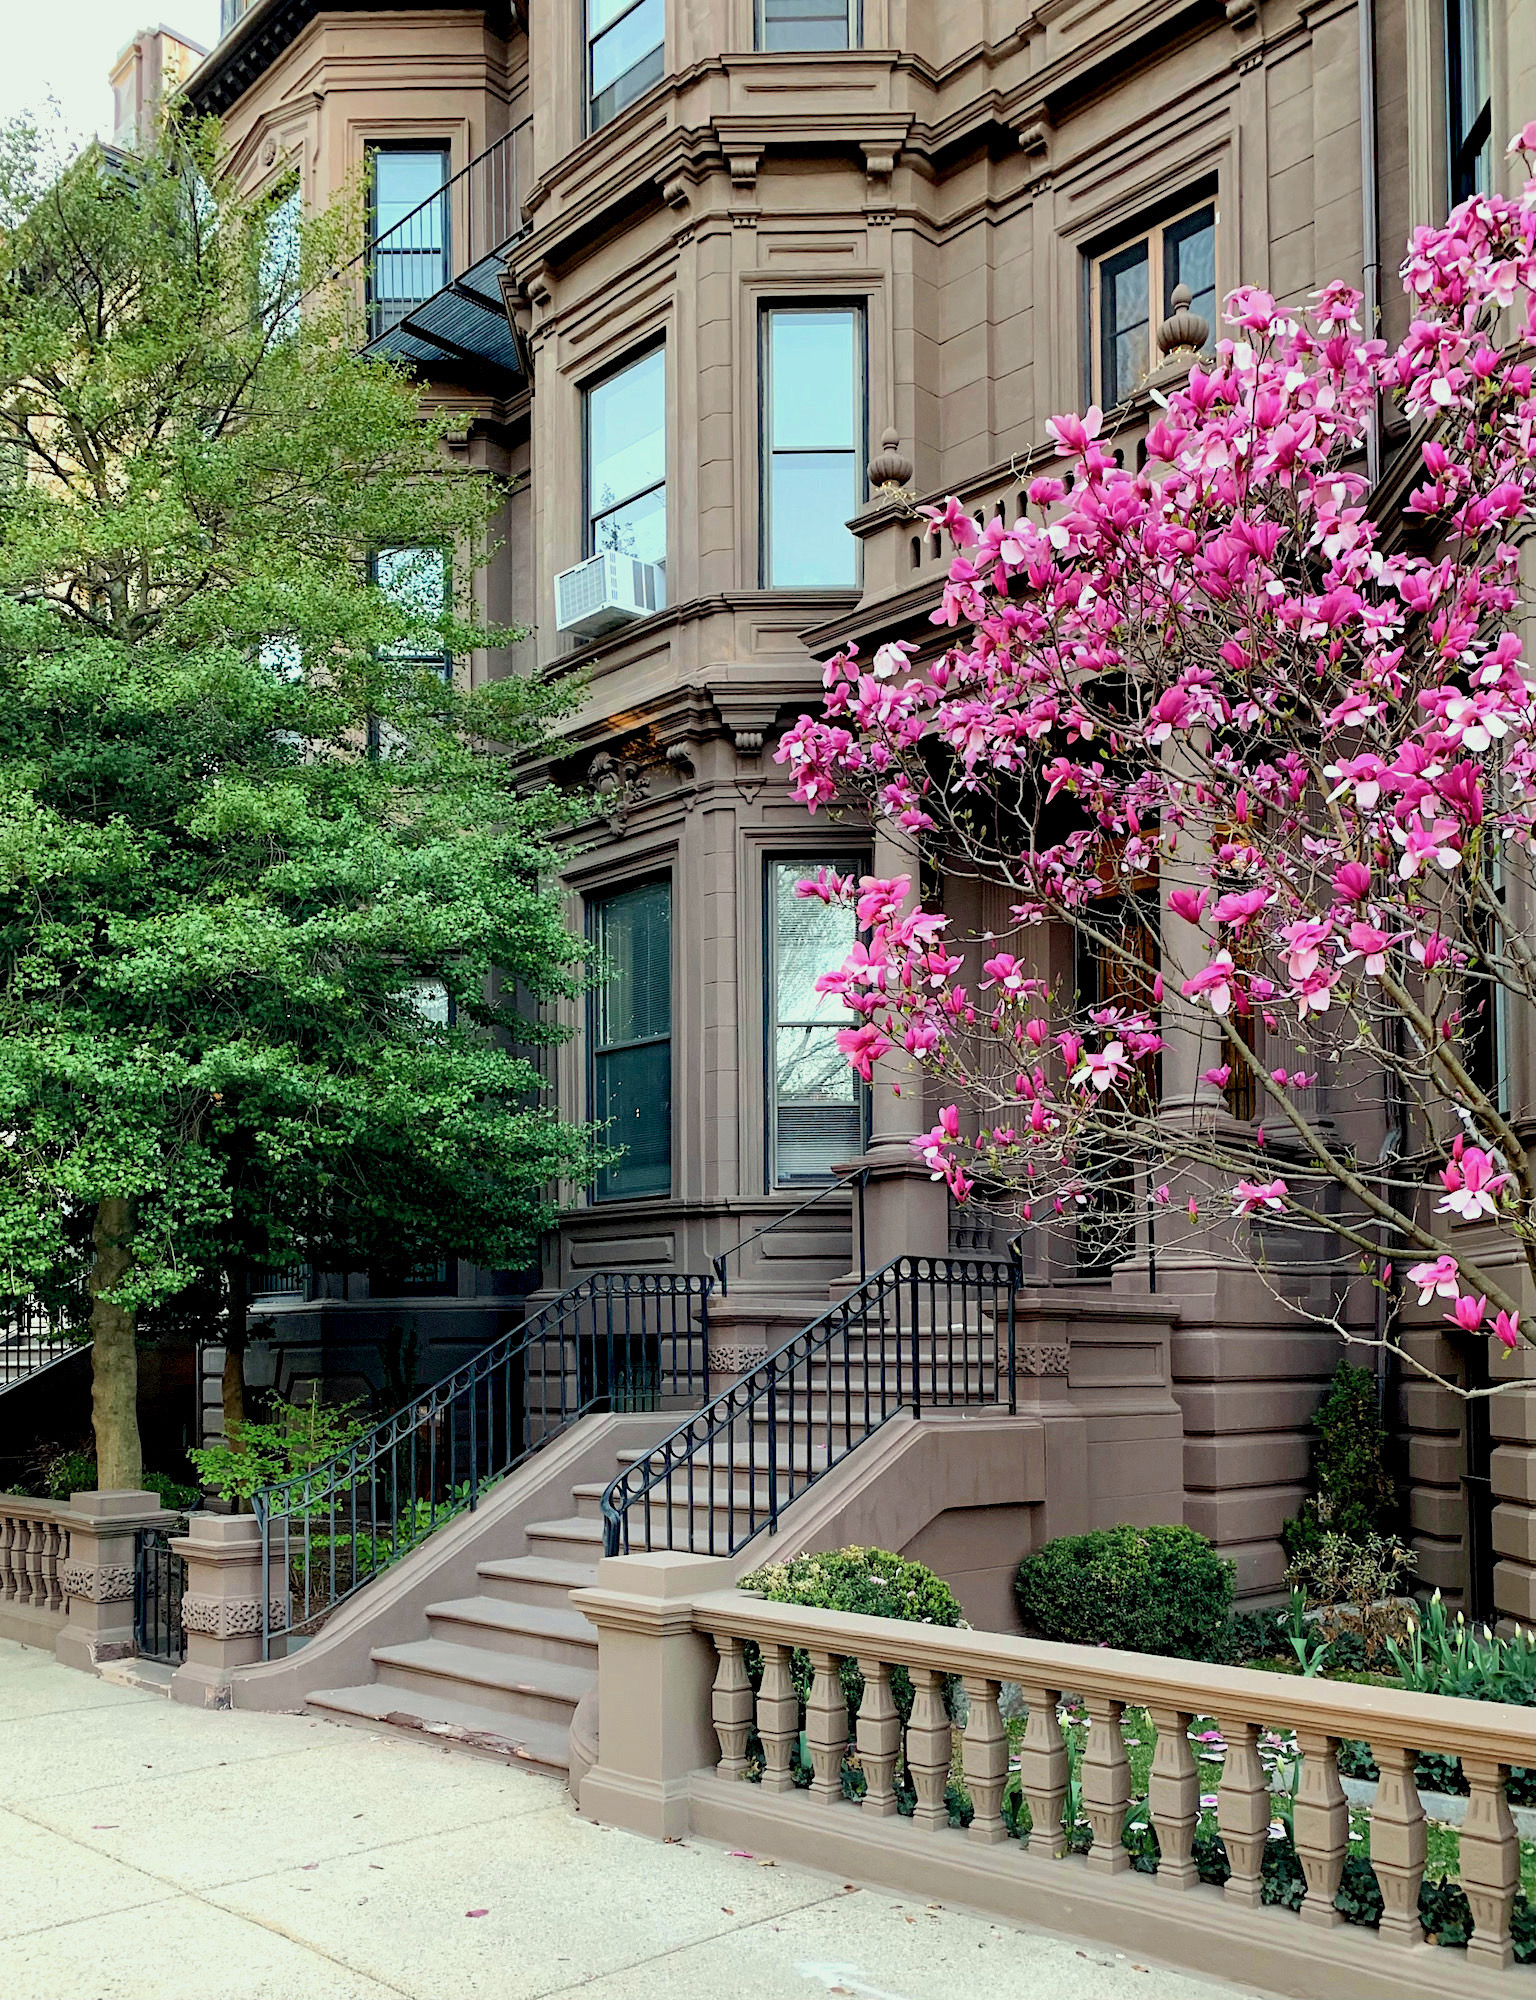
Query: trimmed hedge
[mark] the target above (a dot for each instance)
(1143, 1590)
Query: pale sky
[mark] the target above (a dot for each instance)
(64, 48)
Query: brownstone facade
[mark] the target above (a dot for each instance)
(729, 265)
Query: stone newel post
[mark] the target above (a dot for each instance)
(221, 1611)
(654, 1680)
(98, 1576)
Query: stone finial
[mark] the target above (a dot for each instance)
(1184, 328)
(890, 470)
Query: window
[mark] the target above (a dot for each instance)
(627, 461)
(1129, 282)
(630, 1025)
(813, 445)
(416, 579)
(625, 54)
(433, 1277)
(816, 1103)
(407, 231)
(1470, 107)
(278, 278)
(807, 24)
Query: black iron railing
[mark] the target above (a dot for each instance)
(859, 1179)
(923, 1333)
(29, 1340)
(617, 1341)
(159, 1583)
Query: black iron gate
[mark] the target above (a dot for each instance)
(159, 1580)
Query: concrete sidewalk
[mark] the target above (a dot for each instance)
(154, 1852)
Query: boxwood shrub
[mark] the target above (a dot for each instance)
(1144, 1590)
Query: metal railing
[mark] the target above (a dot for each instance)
(159, 1584)
(617, 1341)
(923, 1332)
(859, 1178)
(29, 1340)
(470, 217)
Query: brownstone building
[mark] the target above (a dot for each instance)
(726, 284)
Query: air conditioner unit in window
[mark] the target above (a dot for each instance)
(606, 591)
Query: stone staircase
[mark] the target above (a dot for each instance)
(501, 1672)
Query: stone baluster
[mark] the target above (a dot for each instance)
(879, 1738)
(1106, 1785)
(1399, 1844)
(826, 1728)
(7, 1559)
(1243, 1813)
(1043, 1772)
(985, 1753)
(1321, 1826)
(1490, 1862)
(37, 1545)
(1173, 1798)
(929, 1747)
(778, 1719)
(54, 1546)
(731, 1706)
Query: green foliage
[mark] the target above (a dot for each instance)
(302, 1437)
(69, 1472)
(1144, 1590)
(1355, 1494)
(873, 1582)
(1258, 1635)
(171, 1492)
(1448, 1656)
(276, 949)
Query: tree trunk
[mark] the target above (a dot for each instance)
(232, 1386)
(114, 1363)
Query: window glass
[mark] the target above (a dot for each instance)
(817, 1103)
(625, 54)
(1471, 111)
(630, 1021)
(1189, 258)
(804, 24)
(279, 275)
(813, 402)
(1124, 303)
(408, 229)
(1133, 288)
(416, 579)
(627, 461)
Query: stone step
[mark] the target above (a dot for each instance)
(535, 1580)
(466, 1725)
(513, 1683)
(568, 1540)
(537, 1631)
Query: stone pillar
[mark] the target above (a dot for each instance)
(221, 1611)
(655, 1681)
(98, 1576)
(906, 1211)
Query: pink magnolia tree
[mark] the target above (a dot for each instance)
(1271, 757)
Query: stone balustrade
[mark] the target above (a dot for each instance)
(34, 1550)
(683, 1732)
(67, 1572)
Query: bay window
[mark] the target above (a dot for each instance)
(1470, 106)
(1132, 289)
(813, 445)
(626, 471)
(408, 245)
(629, 1021)
(807, 24)
(816, 1103)
(625, 54)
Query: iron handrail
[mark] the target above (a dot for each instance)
(618, 1340)
(859, 1175)
(864, 1384)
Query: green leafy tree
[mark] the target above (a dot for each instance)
(274, 949)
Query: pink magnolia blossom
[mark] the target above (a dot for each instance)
(1507, 1328)
(1467, 1313)
(1437, 1280)
(1251, 1197)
